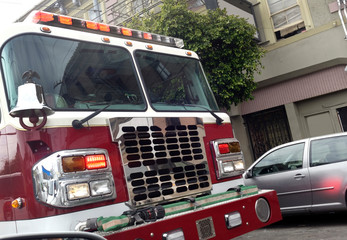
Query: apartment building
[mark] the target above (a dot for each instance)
(302, 89)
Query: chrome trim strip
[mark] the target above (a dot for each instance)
(323, 189)
(303, 191)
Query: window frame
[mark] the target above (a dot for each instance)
(288, 25)
(269, 30)
(333, 149)
(271, 166)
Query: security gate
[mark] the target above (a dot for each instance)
(267, 129)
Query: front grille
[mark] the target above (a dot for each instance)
(163, 158)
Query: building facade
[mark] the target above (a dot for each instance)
(302, 89)
(85, 9)
(114, 12)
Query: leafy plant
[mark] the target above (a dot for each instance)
(225, 44)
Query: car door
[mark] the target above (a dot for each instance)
(284, 170)
(328, 171)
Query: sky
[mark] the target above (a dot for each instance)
(11, 10)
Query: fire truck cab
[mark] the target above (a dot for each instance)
(116, 131)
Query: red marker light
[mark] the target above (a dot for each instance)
(43, 17)
(147, 36)
(223, 148)
(95, 161)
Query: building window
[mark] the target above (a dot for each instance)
(139, 5)
(286, 17)
(195, 5)
(342, 114)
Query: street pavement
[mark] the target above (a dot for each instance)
(328, 226)
(323, 226)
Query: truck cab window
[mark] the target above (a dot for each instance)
(73, 74)
(173, 82)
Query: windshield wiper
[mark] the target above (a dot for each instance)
(219, 120)
(78, 124)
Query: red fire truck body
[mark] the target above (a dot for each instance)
(100, 121)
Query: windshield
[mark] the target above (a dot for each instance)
(73, 74)
(175, 83)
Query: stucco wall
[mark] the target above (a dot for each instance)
(320, 12)
(314, 51)
(319, 105)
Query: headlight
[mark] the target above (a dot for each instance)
(239, 164)
(228, 157)
(227, 166)
(77, 191)
(176, 234)
(74, 177)
(233, 219)
(100, 187)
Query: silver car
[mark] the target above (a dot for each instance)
(308, 175)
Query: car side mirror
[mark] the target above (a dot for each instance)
(248, 174)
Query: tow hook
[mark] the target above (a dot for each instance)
(89, 225)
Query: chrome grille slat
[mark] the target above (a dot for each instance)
(163, 158)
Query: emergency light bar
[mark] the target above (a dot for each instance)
(41, 17)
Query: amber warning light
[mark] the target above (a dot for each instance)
(53, 19)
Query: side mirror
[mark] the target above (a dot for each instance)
(248, 174)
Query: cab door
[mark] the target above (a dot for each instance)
(7, 220)
(284, 170)
(328, 171)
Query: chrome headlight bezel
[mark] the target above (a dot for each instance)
(228, 164)
(53, 186)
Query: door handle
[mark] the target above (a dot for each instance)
(299, 176)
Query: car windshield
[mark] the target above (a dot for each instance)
(73, 74)
(175, 83)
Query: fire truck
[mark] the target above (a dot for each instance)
(116, 131)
